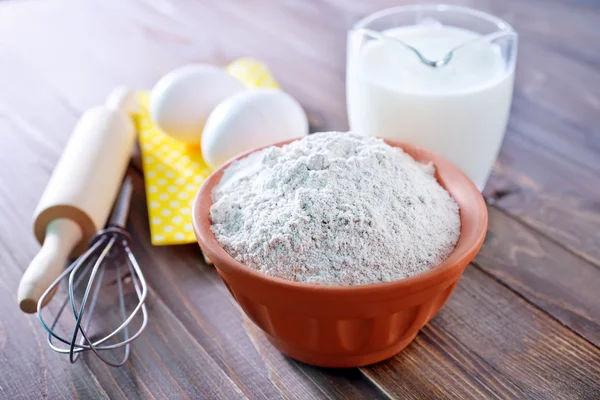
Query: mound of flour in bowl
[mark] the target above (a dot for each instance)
(334, 209)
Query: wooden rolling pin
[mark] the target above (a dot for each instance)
(80, 193)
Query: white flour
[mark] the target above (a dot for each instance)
(334, 209)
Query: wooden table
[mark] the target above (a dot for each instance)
(524, 322)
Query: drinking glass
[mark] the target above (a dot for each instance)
(400, 87)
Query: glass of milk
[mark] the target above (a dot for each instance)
(435, 75)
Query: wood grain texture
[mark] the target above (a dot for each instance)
(522, 323)
(545, 274)
(487, 344)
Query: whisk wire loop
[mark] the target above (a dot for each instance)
(109, 246)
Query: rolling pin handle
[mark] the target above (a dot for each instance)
(122, 99)
(61, 237)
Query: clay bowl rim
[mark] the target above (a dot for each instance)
(453, 265)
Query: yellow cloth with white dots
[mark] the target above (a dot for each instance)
(173, 171)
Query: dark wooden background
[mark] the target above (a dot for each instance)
(524, 322)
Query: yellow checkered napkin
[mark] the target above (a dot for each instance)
(252, 73)
(173, 171)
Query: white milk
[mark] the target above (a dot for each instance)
(459, 110)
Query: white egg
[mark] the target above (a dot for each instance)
(249, 120)
(183, 99)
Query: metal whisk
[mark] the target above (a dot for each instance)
(108, 248)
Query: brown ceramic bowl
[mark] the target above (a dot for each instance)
(348, 326)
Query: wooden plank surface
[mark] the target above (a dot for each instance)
(485, 343)
(524, 321)
(544, 273)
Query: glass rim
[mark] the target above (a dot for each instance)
(499, 22)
